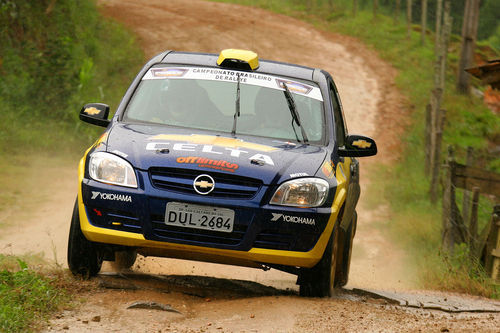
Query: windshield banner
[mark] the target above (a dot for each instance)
(225, 75)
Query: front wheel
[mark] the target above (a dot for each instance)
(319, 281)
(84, 257)
(124, 259)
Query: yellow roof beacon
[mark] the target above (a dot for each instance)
(238, 59)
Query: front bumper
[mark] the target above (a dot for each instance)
(134, 217)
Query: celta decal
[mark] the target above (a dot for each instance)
(218, 141)
(209, 149)
(111, 196)
(203, 162)
(293, 219)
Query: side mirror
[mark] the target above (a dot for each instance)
(96, 114)
(358, 146)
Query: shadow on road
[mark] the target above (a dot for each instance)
(193, 285)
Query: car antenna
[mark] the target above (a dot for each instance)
(237, 111)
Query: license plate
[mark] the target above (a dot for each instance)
(199, 217)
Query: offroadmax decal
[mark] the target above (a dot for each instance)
(208, 163)
(293, 219)
(216, 74)
(111, 196)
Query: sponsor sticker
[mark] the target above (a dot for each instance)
(328, 169)
(293, 219)
(226, 75)
(219, 146)
(168, 72)
(298, 174)
(111, 196)
(203, 162)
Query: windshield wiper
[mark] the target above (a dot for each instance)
(293, 111)
(237, 111)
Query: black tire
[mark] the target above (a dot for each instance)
(344, 252)
(319, 281)
(84, 257)
(124, 259)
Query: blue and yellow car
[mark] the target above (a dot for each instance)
(222, 158)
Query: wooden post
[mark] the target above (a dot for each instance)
(354, 7)
(375, 8)
(435, 105)
(466, 197)
(472, 236)
(408, 19)
(448, 195)
(441, 116)
(439, 20)
(492, 249)
(446, 32)
(469, 35)
(424, 20)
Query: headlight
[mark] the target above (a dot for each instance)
(303, 192)
(111, 169)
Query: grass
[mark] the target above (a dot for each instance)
(51, 63)
(26, 296)
(415, 222)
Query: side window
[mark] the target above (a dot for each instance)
(340, 131)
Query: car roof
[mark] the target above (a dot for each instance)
(265, 66)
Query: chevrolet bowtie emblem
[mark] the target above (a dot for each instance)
(92, 111)
(362, 144)
(203, 184)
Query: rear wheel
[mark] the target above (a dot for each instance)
(319, 281)
(84, 257)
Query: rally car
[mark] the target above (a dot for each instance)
(222, 158)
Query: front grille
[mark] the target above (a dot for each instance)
(207, 237)
(226, 185)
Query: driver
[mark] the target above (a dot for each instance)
(185, 103)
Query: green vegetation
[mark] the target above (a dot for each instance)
(56, 56)
(26, 297)
(416, 223)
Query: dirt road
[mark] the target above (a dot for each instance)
(213, 301)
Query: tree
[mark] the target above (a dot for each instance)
(408, 18)
(424, 20)
(396, 11)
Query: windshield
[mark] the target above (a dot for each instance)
(206, 98)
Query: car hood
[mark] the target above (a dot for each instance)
(271, 161)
